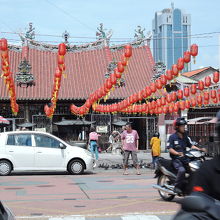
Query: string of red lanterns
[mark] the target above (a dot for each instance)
(49, 111)
(7, 74)
(202, 98)
(105, 90)
(160, 83)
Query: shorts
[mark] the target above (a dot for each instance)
(133, 156)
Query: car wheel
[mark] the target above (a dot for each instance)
(76, 167)
(5, 167)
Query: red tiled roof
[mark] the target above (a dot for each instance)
(85, 73)
(195, 72)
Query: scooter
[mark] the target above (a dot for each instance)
(166, 174)
(198, 206)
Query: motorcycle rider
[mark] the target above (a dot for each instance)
(207, 178)
(177, 144)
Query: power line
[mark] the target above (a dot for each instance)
(70, 15)
(200, 35)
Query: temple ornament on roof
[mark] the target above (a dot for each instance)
(103, 37)
(103, 34)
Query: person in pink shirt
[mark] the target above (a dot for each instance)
(93, 139)
(130, 142)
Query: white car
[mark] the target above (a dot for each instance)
(40, 151)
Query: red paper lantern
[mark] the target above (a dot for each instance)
(3, 44)
(113, 78)
(140, 97)
(186, 91)
(144, 94)
(193, 89)
(193, 102)
(153, 87)
(148, 91)
(123, 60)
(153, 104)
(169, 74)
(160, 111)
(194, 50)
(62, 49)
(180, 94)
(206, 96)
(213, 94)
(158, 103)
(216, 77)
(163, 79)
(201, 85)
(187, 104)
(173, 96)
(88, 103)
(199, 100)
(58, 74)
(158, 84)
(169, 98)
(187, 57)
(175, 70)
(180, 64)
(117, 73)
(163, 100)
(128, 51)
(120, 67)
(165, 109)
(60, 59)
(171, 109)
(215, 100)
(182, 105)
(176, 108)
(207, 81)
(108, 84)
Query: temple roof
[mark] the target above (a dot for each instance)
(85, 71)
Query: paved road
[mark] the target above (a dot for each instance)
(102, 194)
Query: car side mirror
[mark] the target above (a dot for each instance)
(62, 146)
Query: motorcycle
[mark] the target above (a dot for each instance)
(198, 206)
(166, 174)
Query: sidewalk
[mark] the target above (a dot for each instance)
(113, 159)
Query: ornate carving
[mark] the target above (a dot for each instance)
(24, 77)
(139, 33)
(158, 69)
(30, 34)
(66, 36)
(103, 34)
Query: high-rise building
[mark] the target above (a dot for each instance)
(171, 35)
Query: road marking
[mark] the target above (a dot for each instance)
(140, 217)
(68, 218)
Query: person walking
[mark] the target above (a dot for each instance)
(155, 148)
(93, 143)
(130, 142)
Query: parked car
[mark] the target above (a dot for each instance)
(40, 151)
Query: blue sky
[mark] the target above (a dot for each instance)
(81, 18)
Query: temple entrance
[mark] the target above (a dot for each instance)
(145, 126)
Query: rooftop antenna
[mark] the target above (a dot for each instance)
(172, 5)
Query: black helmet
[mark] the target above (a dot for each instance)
(178, 122)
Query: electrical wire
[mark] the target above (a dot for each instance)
(200, 35)
(70, 15)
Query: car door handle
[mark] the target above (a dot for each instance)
(39, 152)
(11, 151)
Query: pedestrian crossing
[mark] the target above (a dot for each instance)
(125, 217)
